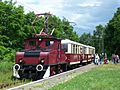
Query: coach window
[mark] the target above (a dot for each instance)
(76, 50)
(65, 47)
(89, 51)
(92, 51)
(73, 49)
(84, 50)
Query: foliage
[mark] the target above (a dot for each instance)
(6, 54)
(112, 33)
(98, 36)
(15, 26)
(63, 29)
(105, 38)
(106, 77)
(86, 39)
(95, 40)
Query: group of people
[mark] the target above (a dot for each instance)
(103, 59)
(98, 59)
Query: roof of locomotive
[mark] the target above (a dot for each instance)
(67, 41)
(53, 38)
(43, 35)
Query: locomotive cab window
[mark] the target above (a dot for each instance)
(48, 43)
(32, 43)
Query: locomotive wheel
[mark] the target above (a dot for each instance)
(60, 70)
(52, 71)
(65, 67)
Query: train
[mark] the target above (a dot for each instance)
(44, 56)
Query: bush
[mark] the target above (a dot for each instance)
(7, 54)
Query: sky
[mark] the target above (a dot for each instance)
(87, 14)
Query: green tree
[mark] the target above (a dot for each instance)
(15, 26)
(98, 36)
(112, 34)
(12, 21)
(86, 38)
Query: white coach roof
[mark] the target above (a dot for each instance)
(67, 41)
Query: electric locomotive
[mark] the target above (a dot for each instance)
(45, 56)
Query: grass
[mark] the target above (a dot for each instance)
(105, 77)
(6, 73)
(5, 66)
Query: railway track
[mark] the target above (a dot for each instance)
(6, 85)
(2, 86)
(44, 84)
(12, 83)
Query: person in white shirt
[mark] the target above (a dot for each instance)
(96, 59)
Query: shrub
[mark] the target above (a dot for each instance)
(7, 54)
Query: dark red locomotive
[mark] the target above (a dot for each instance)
(45, 56)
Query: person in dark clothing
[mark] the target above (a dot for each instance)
(101, 57)
(113, 61)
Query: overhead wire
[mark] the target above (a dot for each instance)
(27, 6)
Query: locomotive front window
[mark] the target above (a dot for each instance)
(32, 43)
(48, 43)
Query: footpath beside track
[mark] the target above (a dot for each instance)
(44, 84)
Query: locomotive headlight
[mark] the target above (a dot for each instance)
(16, 67)
(21, 61)
(42, 61)
(39, 67)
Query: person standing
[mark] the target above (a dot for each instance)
(105, 60)
(115, 58)
(96, 59)
(113, 61)
(101, 57)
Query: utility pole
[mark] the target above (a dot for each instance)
(103, 43)
(46, 23)
(99, 43)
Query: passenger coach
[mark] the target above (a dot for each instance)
(77, 53)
